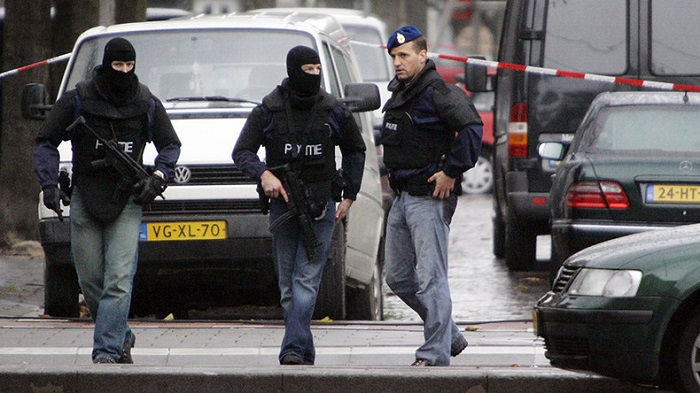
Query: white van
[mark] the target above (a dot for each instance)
(210, 72)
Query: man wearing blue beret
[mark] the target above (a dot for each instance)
(431, 135)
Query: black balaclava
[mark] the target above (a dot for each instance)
(301, 83)
(119, 86)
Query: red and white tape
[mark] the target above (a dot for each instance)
(56, 59)
(562, 73)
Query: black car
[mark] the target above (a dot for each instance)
(633, 166)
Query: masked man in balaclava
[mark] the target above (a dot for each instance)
(105, 206)
(300, 124)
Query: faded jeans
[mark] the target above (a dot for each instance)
(299, 278)
(105, 259)
(416, 268)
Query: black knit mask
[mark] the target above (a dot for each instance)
(300, 82)
(119, 86)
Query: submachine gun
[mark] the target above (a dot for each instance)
(301, 205)
(130, 170)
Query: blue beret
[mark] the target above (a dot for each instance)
(401, 36)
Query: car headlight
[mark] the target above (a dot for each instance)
(607, 283)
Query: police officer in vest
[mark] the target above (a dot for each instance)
(300, 124)
(106, 213)
(431, 135)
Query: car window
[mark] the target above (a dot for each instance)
(668, 128)
(241, 64)
(372, 62)
(675, 48)
(587, 44)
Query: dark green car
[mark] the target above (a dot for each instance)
(633, 166)
(629, 308)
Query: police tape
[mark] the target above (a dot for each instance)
(56, 59)
(554, 72)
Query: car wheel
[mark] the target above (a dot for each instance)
(521, 241)
(61, 290)
(366, 304)
(479, 179)
(331, 293)
(688, 356)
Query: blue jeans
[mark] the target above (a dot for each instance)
(299, 278)
(418, 229)
(105, 259)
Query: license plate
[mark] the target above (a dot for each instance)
(673, 193)
(189, 230)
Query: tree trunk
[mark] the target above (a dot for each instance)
(22, 45)
(126, 11)
(72, 18)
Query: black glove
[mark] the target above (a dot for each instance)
(52, 199)
(147, 189)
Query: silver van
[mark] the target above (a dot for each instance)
(210, 72)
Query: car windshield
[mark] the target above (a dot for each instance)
(649, 128)
(202, 68)
(373, 63)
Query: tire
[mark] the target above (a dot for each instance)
(331, 293)
(479, 179)
(687, 362)
(367, 304)
(61, 290)
(499, 232)
(521, 241)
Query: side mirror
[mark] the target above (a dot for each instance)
(361, 97)
(34, 104)
(476, 76)
(552, 150)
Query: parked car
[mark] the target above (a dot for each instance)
(210, 72)
(629, 308)
(633, 166)
(644, 39)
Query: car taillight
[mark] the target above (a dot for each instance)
(517, 131)
(597, 195)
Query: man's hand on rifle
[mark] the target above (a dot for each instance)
(273, 186)
(148, 188)
(52, 199)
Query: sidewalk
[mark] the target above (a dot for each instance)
(49, 355)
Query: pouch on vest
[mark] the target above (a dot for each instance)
(104, 197)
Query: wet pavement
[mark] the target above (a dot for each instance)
(483, 289)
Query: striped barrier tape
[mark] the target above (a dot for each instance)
(561, 73)
(56, 59)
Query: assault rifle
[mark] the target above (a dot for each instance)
(130, 170)
(299, 205)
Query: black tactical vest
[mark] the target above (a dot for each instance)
(405, 145)
(102, 188)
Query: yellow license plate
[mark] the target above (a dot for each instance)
(673, 193)
(189, 230)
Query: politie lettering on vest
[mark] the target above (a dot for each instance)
(309, 150)
(127, 146)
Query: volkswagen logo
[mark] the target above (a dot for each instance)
(686, 166)
(182, 174)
